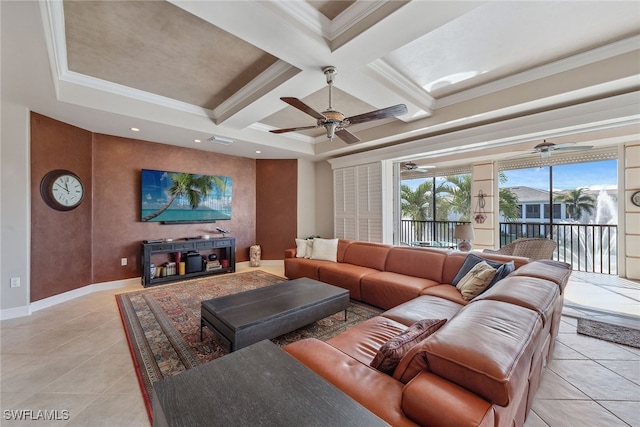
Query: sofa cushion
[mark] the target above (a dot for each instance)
(447, 292)
(476, 280)
(344, 275)
(367, 254)
(470, 261)
(387, 289)
(377, 392)
(393, 350)
(486, 348)
(325, 249)
(555, 271)
(295, 268)
(416, 262)
(528, 292)
(423, 307)
(363, 341)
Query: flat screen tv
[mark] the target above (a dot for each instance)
(178, 197)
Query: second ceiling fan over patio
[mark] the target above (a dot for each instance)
(334, 121)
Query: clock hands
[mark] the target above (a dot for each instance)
(64, 188)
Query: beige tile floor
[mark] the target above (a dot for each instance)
(74, 357)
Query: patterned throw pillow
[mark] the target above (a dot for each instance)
(391, 352)
(469, 262)
(476, 280)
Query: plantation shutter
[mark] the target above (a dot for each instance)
(358, 202)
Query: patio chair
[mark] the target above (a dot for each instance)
(534, 248)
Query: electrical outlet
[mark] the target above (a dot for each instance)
(123, 261)
(15, 282)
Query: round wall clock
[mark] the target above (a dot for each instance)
(635, 198)
(62, 190)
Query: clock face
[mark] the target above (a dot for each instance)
(635, 198)
(67, 190)
(62, 190)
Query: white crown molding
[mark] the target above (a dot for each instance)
(599, 54)
(390, 77)
(353, 15)
(609, 113)
(312, 19)
(272, 76)
(54, 28)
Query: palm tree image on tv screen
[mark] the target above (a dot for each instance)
(184, 197)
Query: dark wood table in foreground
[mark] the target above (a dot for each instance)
(259, 385)
(247, 317)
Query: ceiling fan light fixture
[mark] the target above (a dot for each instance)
(331, 129)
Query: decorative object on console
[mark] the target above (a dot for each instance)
(62, 190)
(464, 233)
(480, 214)
(254, 255)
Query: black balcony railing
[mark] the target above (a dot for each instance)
(587, 247)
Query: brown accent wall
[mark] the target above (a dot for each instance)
(60, 241)
(276, 206)
(73, 249)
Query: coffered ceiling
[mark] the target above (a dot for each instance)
(189, 70)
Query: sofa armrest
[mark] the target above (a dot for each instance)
(431, 400)
(290, 253)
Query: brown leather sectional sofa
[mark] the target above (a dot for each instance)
(482, 368)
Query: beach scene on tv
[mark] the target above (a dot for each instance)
(177, 196)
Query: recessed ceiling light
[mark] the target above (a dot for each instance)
(135, 129)
(197, 140)
(258, 151)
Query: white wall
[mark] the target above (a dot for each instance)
(306, 199)
(324, 199)
(14, 209)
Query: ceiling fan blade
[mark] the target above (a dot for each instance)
(385, 113)
(576, 148)
(347, 136)
(296, 103)
(292, 129)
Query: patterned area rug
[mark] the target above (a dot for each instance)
(163, 324)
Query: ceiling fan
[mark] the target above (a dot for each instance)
(412, 167)
(334, 121)
(545, 148)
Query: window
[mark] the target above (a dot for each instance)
(533, 211)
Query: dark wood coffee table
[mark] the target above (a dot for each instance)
(259, 385)
(264, 313)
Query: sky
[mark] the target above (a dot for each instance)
(594, 175)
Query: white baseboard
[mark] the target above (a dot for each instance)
(11, 313)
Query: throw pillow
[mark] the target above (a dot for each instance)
(325, 249)
(301, 248)
(503, 271)
(476, 280)
(469, 262)
(389, 355)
